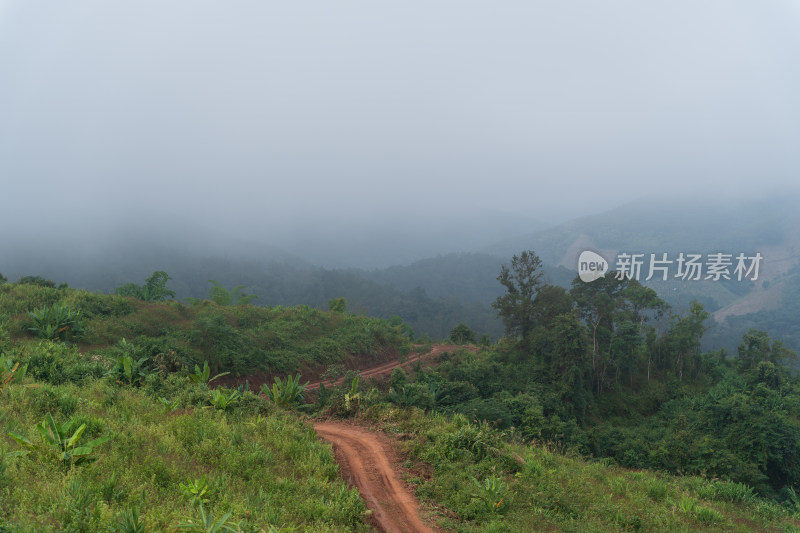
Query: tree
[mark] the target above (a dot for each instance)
(223, 296)
(522, 282)
(337, 305)
(154, 289)
(37, 280)
(551, 301)
(756, 348)
(681, 343)
(462, 334)
(616, 311)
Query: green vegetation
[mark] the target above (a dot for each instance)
(482, 479)
(602, 372)
(522, 282)
(261, 467)
(462, 334)
(66, 447)
(222, 296)
(154, 290)
(286, 393)
(169, 335)
(599, 412)
(57, 322)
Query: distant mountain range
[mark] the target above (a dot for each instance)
(435, 293)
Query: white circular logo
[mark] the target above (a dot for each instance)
(591, 266)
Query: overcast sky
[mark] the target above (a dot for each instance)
(268, 114)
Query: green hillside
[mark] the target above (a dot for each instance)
(107, 425)
(243, 339)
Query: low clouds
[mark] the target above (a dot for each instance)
(269, 117)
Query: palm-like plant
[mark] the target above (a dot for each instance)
(205, 522)
(57, 322)
(223, 296)
(404, 396)
(10, 372)
(197, 490)
(204, 375)
(352, 397)
(222, 400)
(129, 522)
(285, 393)
(492, 493)
(126, 369)
(66, 447)
(170, 406)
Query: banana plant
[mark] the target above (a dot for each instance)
(204, 376)
(126, 369)
(197, 491)
(169, 406)
(285, 393)
(205, 522)
(222, 401)
(352, 397)
(66, 447)
(10, 372)
(58, 322)
(491, 493)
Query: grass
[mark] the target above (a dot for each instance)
(550, 491)
(263, 466)
(242, 339)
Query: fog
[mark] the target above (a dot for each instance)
(369, 133)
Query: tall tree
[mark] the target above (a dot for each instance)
(154, 290)
(522, 282)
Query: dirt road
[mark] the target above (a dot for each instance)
(386, 368)
(365, 460)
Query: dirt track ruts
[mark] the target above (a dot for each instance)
(391, 365)
(364, 459)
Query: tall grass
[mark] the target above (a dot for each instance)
(262, 466)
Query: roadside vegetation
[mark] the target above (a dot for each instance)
(239, 339)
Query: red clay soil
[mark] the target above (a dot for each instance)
(386, 368)
(352, 362)
(366, 459)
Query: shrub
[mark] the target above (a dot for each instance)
(154, 289)
(492, 494)
(57, 322)
(285, 393)
(10, 372)
(39, 281)
(58, 363)
(98, 305)
(60, 441)
(127, 369)
(204, 375)
(223, 400)
(128, 522)
(462, 334)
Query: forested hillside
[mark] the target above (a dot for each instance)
(114, 417)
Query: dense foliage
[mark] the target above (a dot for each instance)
(129, 425)
(241, 339)
(601, 370)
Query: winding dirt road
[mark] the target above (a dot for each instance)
(364, 458)
(385, 368)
